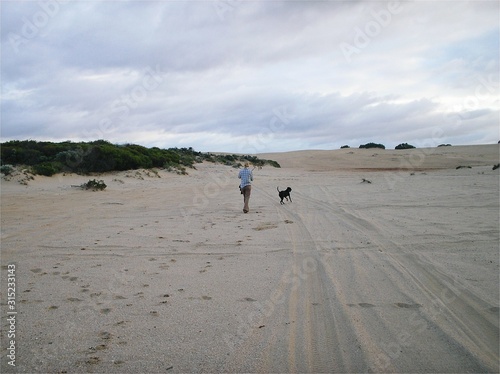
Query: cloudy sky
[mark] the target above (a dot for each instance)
(251, 76)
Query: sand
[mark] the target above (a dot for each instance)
(163, 273)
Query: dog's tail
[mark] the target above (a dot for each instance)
(278, 188)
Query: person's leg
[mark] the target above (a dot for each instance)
(246, 198)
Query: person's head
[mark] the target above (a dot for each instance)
(246, 164)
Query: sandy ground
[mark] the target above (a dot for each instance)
(165, 274)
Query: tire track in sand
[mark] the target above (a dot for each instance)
(337, 321)
(323, 337)
(463, 318)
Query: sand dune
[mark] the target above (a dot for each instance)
(164, 273)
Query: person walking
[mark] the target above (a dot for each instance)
(246, 177)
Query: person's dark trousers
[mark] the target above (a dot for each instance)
(246, 197)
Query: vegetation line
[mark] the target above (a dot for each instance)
(48, 158)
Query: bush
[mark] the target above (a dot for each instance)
(47, 168)
(6, 169)
(344, 147)
(94, 185)
(404, 146)
(372, 145)
(99, 156)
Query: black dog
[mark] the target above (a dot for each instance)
(285, 194)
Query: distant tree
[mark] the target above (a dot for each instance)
(444, 145)
(372, 145)
(404, 146)
(344, 146)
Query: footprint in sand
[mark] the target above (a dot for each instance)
(93, 360)
(105, 335)
(408, 306)
(265, 226)
(363, 305)
(249, 299)
(366, 305)
(37, 270)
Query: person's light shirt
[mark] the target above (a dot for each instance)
(246, 177)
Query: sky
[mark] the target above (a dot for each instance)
(251, 76)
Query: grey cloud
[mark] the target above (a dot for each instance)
(227, 71)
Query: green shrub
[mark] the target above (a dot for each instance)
(94, 185)
(404, 146)
(372, 145)
(47, 168)
(6, 169)
(99, 156)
